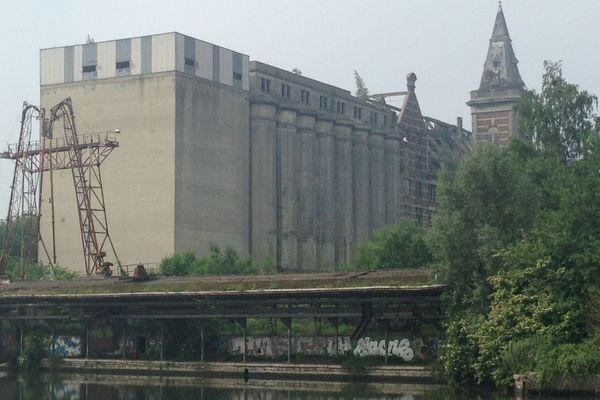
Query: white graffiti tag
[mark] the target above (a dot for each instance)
(367, 347)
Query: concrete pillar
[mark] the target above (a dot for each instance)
(393, 179)
(387, 343)
(162, 343)
(245, 338)
(325, 206)
(376, 189)
(202, 344)
(344, 228)
(287, 187)
(360, 181)
(289, 343)
(124, 340)
(86, 348)
(263, 201)
(307, 249)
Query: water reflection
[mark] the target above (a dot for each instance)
(110, 387)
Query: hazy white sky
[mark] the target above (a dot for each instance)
(443, 42)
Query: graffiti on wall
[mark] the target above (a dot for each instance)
(67, 346)
(418, 349)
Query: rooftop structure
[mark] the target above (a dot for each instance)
(494, 104)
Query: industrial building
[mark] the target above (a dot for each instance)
(215, 148)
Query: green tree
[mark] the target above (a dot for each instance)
(486, 204)
(560, 118)
(517, 241)
(399, 246)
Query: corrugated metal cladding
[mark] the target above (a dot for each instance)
(144, 55)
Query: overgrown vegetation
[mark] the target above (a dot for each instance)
(217, 262)
(398, 246)
(25, 233)
(35, 348)
(517, 238)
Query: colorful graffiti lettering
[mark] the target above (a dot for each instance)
(67, 346)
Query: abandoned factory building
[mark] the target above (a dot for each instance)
(215, 148)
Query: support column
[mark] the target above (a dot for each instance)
(386, 342)
(288, 323)
(124, 339)
(325, 209)
(307, 249)
(287, 187)
(202, 344)
(336, 324)
(86, 334)
(360, 181)
(162, 343)
(344, 229)
(376, 190)
(393, 178)
(244, 335)
(262, 174)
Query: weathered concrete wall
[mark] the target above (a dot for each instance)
(288, 166)
(211, 166)
(138, 177)
(307, 246)
(263, 181)
(357, 168)
(325, 206)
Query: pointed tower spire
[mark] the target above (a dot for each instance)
(494, 105)
(500, 68)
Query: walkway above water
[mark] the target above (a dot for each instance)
(388, 294)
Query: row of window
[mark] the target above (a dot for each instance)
(324, 102)
(89, 71)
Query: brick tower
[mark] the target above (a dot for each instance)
(494, 104)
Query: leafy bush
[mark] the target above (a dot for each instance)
(35, 348)
(36, 271)
(217, 262)
(399, 246)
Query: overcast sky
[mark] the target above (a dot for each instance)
(443, 42)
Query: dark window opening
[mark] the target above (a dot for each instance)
(122, 65)
(190, 61)
(323, 102)
(305, 96)
(265, 85)
(237, 76)
(419, 216)
(286, 91)
(89, 68)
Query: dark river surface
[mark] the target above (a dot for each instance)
(111, 387)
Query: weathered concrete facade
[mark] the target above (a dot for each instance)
(332, 166)
(217, 149)
(178, 180)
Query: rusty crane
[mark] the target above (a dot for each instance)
(83, 155)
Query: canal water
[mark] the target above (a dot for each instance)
(110, 387)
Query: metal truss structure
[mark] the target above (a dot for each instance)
(83, 155)
(25, 195)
